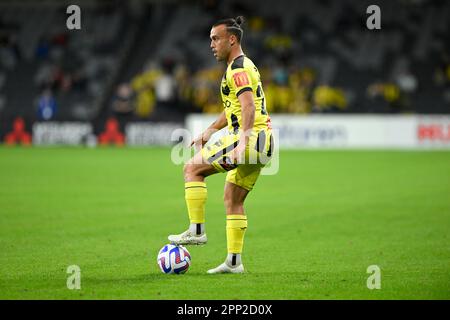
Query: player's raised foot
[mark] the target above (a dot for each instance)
(225, 268)
(188, 238)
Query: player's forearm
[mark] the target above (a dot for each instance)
(248, 120)
(220, 123)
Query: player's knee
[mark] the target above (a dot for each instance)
(191, 170)
(227, 200)
(231, 202)
(188, 170)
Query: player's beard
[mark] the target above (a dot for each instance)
(219, 58)
(222, 57)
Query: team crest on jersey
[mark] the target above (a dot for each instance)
(241, 79)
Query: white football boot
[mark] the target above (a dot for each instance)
(225, 268)
(187, 238)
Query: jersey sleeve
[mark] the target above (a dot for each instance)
(240, 81)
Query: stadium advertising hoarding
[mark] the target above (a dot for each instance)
(81, 133)
(433, 131)
(61, 133)
(317, 131)
(142, 133)
(352, 131)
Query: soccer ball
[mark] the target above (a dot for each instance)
(174, 259)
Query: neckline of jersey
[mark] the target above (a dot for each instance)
(242, 55)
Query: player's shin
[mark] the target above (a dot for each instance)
(236, 227)
(196, 195)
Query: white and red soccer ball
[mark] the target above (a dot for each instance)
(174, 259)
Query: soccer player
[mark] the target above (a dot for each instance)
(242, 153)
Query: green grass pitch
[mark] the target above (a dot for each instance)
(314, 228)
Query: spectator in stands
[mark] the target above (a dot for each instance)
(43, 48)
(185, 90)
(9, 51)
(47, 106)
(392, 97)
(205, 87)
(165, 86)
(301, 86)
(278, 42)
(442, 75)
(328, 99)
(122, 104)
(49, 75)
(143, 86)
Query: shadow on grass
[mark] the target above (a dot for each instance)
(160, 277)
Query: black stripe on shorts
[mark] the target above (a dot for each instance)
(222, 152)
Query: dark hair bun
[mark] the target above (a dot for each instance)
(239, 20)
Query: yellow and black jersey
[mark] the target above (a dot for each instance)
(242, 75)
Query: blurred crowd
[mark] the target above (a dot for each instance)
(306, 64)
(316, 57)
(293, 91)
(51, 71)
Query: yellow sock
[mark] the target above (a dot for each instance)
(236, 226)
(195, 195)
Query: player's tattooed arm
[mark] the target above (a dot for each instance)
(248, 120)
(221, 122)
(247, 114)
